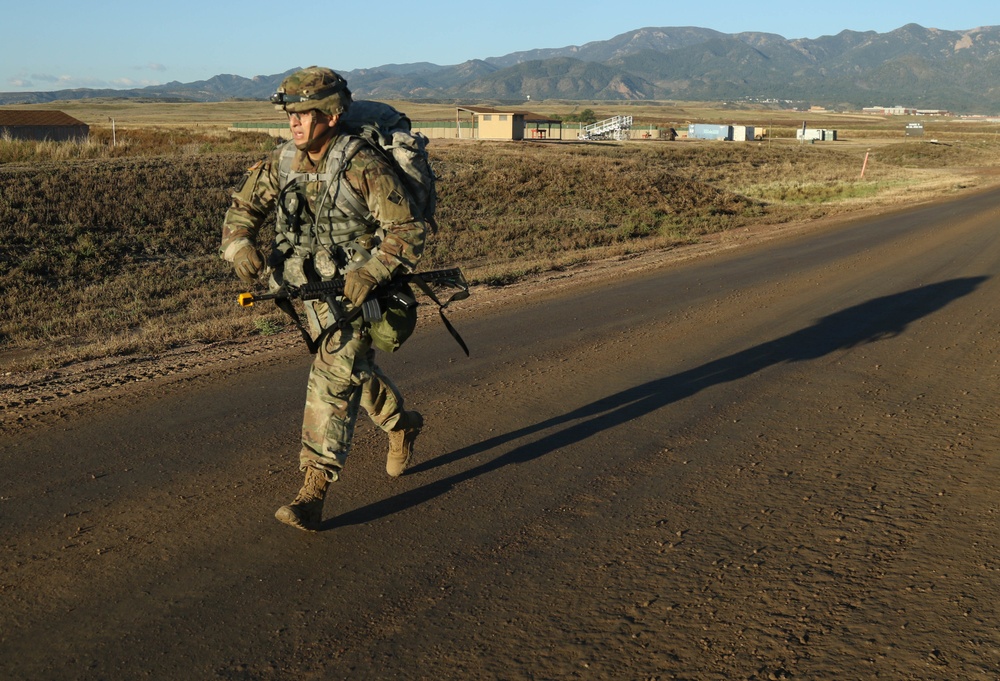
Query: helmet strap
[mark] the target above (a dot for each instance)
(317, 143)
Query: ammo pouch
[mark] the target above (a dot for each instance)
(399, 318)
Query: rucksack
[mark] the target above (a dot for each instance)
(389, 131)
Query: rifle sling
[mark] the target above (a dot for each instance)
(458, 295)
(284, 303)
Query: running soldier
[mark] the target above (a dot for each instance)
(342, 211)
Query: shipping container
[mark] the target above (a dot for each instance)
(708, 131)
(816, 135)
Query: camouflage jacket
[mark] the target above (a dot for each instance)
(315, 219)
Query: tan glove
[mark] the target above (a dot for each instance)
(358, 284)
(248, 263)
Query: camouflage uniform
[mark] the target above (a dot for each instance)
(344, 376)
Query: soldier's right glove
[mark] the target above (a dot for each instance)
(248, 263)
(360, 282)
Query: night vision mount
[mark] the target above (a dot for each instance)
(280, 98)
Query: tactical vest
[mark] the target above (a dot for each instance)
(342, 229)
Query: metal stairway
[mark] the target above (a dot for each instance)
(615, 128)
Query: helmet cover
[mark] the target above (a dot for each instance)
(313, 88)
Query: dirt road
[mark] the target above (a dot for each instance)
(776, 462)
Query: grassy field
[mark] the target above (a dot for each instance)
(217, 116)
(112, 250)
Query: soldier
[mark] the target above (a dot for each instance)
(341, 212)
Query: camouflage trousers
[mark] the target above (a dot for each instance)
(342, 380)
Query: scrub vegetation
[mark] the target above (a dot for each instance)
(112, 249)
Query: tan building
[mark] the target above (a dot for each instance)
(33, 124)
(508, 124)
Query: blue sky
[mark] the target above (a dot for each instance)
(58, 44)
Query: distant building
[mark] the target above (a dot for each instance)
(33, 124)
(890, 110)
(500, 124)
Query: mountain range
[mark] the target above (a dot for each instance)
(911, 66)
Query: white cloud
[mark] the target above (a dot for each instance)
(131, 83)
(49, 78)
(47, 81)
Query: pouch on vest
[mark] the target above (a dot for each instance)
(399, 319)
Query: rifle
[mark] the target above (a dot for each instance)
(370, 310)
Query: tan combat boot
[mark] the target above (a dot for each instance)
(306, 512)
(401, 440)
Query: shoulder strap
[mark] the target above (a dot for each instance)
(285, 162)
(349, 149)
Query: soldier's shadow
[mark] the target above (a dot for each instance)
(868, 322)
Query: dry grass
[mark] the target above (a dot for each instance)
(103, 144)
(112, 250)
(207, 116)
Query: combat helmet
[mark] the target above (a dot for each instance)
(313, 88)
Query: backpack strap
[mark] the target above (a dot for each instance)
(285, 163)
(354, 200)
(346, 148)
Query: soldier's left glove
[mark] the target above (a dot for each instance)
(360, 282)
(357, 285)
